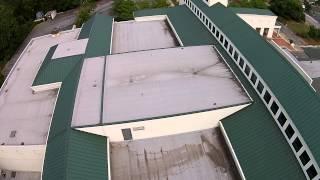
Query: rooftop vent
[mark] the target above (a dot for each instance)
(13, 174)
(13, 134)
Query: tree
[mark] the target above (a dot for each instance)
(123, 9)
(160, 4)
(260, 4)
(288, 9)
(307, 5)
(84, 12)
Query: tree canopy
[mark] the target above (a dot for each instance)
(289, 9)
(123, 9)
(260, 4)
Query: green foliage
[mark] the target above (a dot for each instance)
(314, 33)
(84, 12)
(307, 6)
(260, 4)
(123, 9)
(13, 30)
(143, 4)
(289, 9)
(160, 4)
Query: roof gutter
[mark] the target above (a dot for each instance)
(234, 156)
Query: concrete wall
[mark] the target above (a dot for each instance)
(22, 158)
(151, 18)
(165, 126)
(260, 21)
(210, 2)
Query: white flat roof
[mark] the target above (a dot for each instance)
(156, 83)
(89, 94)
(20, 110)
(141, 35)
(70, 48)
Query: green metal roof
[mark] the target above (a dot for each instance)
(256, 11)
(71, 154)
(258, 142)
(297, 97)
(100, 36)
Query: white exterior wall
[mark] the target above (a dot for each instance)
(165, 126)
(22, 158)
(212, 2)
(260, 21)
(151, 18)
(46, 87)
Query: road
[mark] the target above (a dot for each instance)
(310, 20)
(63, 21)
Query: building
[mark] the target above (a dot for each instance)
(168, 73)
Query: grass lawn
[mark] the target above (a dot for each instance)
(300, 28)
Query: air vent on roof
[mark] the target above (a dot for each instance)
(13, 134)
(3, 174)
(22, 143)
(13, 174)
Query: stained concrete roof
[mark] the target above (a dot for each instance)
(197, 155)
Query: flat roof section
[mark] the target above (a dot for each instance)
(87, 107)
(70, 48)
(198, 155)
(25, 116)
(137, 36)
(164, 82)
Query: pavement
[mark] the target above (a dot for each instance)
(288, 34)
(63, 21)
(310, 20)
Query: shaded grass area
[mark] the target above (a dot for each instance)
(301, 29)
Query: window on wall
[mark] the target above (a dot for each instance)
(289, 131)
(247, 70)
(230, 49)
(282, 119)
(311, 171)
(235, 56)
(241, 63)
(217, 34)
(260, 87)
(253, 78)
(297, 145)
(274, 107)
(226, 43)
(267, 97)
(221, 39)
(304, 158)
